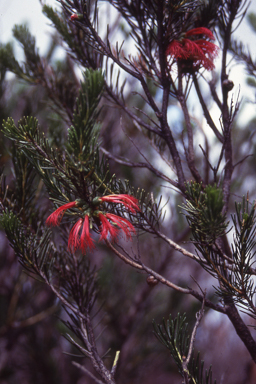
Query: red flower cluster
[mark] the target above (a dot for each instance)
(80, 238)
(200, 52)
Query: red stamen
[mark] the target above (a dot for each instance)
(130, 202)
(86, 240)
(56, 217)
(200, 31)
(73, 240)
(106, 228)
(123, 223)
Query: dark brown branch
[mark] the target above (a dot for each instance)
(214, 94)
(226, 118)
(165, 81)
(163, 280)
(241, 328)
(106, 50)
(190, 155)
(233, 314)
(206, 112)
(208, 165)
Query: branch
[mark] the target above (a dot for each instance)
(83, 350)
(214, 94)
(88, 373)
(190, 155)
(36, 318)
(165, 82)
(143, 267)
(240, 327)
(59, 295)
(127, 260)
(129, 112)
(106, 50)
(163, 280)
(177, 247)
(185, 363)
(128, 163)
(225, 110)
(206, 112)
(172, 243)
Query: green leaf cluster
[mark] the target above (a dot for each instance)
(32, 64)
(83, 134)
(68, 172)
(204, 212)
(241, 282)
(173, 334)
(33, 249)
(22, 34)
(59, 23)
(7, 59)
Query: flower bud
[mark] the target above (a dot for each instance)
(76, 16)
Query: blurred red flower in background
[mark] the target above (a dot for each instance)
(200, 52)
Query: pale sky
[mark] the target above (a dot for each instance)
(25, 11)
(29, 11)
(20, 11)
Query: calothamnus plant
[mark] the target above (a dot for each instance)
(133, 162)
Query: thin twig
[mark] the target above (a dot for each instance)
(241, 161)
(88, 373)
(142, 123)
(206, 112)
(185, 363)
(190, 154)
(214, 94)
(36, 318)
(60, 296)
(148, 165)
(164, 281)
(83, 350)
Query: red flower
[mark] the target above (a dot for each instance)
(108, 228)
(200, 52)
(56, 217)
(130, 202)
(79, 237)
(73, 240)
(86, 240)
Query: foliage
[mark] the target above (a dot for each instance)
(204, 212)
(173, 334)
